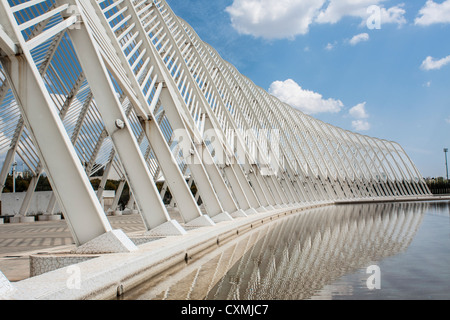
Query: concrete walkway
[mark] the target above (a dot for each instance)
(19, 241)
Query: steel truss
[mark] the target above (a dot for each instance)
(127, 86)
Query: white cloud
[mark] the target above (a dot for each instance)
(447, 120)
(359, 38)
(433, 13)
(306, 101)
(329, 46)
(338, 9)
(359, 111)
(394, 15)
(361, 125)
(273, 19)
(288, 18)
(431, 63)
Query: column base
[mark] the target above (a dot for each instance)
(224, 216)
(169, 229)
(44, 263)
(129, 211)
(250, 211)
(114, 241)
(239, 214)
(202, 221)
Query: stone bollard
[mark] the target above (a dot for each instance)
(20, 219)
(127, 211)
(49, 217)
(29, 219)
(54, 217)
(14, 220)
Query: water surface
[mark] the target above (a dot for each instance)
(368, 251)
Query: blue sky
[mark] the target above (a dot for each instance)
(378, 67)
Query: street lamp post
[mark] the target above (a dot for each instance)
(446, 163)
(14, 176)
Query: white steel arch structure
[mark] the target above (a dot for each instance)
(126, 85)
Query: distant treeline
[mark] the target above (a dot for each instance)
(43, 184)
(439, 186)
(22, 184)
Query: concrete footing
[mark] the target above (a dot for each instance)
(46, 262)
(40, 264)
(202, 221)
(168, 229)
(115, 241)
(251, 211)
(239, 214)
(1, 221)
(224, 216)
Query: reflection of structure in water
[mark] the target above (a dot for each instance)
(303, 254)
(294, 257)
(439, 208)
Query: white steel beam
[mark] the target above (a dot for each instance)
(211, 123)
(86, 219)
(7, 45)
(117, 126)
(177, 184)
(172, 100)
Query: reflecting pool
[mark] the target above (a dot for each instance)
(368, 251)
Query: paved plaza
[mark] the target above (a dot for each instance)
(19, 241)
